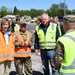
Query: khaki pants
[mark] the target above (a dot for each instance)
(5, 67)
(19, 62)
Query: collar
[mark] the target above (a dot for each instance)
(6, 32)
(23, 33)
(71, 30)
(42, 26)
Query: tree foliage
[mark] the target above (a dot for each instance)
(73, 11)
(54, 10)
(3, 11)
(15, 12)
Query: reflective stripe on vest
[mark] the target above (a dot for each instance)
(47, 41)
(22, 52)
(48, 46)
(6, 55)
(6, 51)
(72, 38)
(59, 28)
(52, 26)
(68, 70)
(67, 74)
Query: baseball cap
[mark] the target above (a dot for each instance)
(23, 24)
(69, 18)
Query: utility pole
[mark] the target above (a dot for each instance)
(64, 8)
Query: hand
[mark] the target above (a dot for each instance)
(56, 65)
(36, 51)
(26, 43)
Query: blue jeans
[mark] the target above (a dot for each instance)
(47, 56)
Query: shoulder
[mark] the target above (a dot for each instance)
(29, 33)
(52, 24)
(62, 40)
(1, 32)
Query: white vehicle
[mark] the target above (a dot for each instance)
(32, 21)
(10, 17)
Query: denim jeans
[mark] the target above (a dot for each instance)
(47, 56)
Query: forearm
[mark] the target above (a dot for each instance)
(58, 55)
(19, 44)
(36, 42)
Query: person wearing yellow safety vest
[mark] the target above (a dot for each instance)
(16, 27)
(64, 54)
(17, 24)
(38, 22)
(7, 41)
(22, 51)
(45, 40)
(59, 26)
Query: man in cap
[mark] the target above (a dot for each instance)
(64, 54)
(22, 51)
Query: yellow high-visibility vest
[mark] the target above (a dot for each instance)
(68, 63)
(47, 41)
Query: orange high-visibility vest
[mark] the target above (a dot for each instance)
(25, 50)
(6, 50)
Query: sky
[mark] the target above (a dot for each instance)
(35, 4)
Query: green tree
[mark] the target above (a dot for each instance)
(48, 12)
(15, 12)
(35, 13)
(27, 12)
(73, 11)
(3, 11)
(54, 9)
(61, 12)
(21, 12)
(68, 12)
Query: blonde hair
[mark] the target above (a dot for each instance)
(4, 20)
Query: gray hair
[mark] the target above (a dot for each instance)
(44, 14)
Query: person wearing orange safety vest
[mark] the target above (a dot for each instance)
(7, 40)
(22, 51)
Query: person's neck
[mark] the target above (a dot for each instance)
(46, 24)
(5, 31)
(70, 30)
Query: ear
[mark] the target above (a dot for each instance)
(64, 26)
